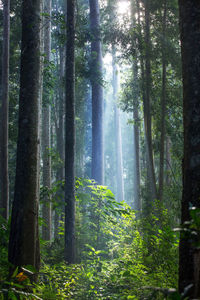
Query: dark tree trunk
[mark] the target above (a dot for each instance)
(4, 179)
(189, 254)
(163, 105)
(97, 94)
(46, 128)
(24, 242)
(70, 137)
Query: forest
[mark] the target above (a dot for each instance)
(100, 149)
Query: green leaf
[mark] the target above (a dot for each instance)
(11, 295)
(29, 268)
(126, 273)
(45, 14)
(18, 285)
(15, 273)
(90, 247)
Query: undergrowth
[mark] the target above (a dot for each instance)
(118, 256)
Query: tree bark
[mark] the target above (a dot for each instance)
(189, 254)
(4, 178)
(145, 65)
(163, 105)
(136, 166)
(151, 180)
(118, 141)
(46, 126)
(60, 174)
(24, 241)
(97, 94)
(70, 137)
(168, 161)
(136, 130)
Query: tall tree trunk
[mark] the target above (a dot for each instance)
(46, 126)
(60, 140)
(97, 94)
(136, 129)
(163, 104)
(70, 137)
(24, 241)
(88, 135)
(168, 161)
(145, 88)
(136, 166)
(4, 179)
(189, 253)
(60, 174)
(118, 141)
(151, 180)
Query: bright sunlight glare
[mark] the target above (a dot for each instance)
(123, 7)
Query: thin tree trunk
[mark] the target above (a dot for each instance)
(46, 126)
(136, 129)
(136, 167)
(145, 87)
(118, 141)
(136, 145)
(24, 241)
(142, 66)
(60, 175)
(168, 161)
(60, 136)
(147, 109)
(88, 139)
(70, 137)
(97, 94)
(189, 253)
(4, 179)
(163, 105)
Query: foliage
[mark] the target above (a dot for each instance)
(133, 259)
(19, 286)
(191, 228)
(97, 215)
(120, 257)
(49, 79)
(4, 233)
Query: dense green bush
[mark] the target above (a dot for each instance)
(118, 255)
(135, 259)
